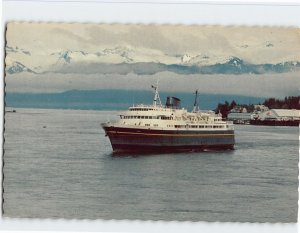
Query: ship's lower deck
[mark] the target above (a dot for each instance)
(136, 139)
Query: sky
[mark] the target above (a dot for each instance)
(249, 43)
(40, 46)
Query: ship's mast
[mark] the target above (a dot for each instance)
(156, 100)
(196, 105)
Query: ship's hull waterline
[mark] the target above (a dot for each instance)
(148, 140)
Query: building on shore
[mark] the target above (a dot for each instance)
(262, 115)
(277, 117)
(239, 115)
(279, 114)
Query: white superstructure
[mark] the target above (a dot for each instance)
(171, 117)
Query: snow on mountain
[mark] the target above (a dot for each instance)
(232, 66)
(204, 59)
(126, 59)
(119, 54)
(18, 60)
(69, 56)
(16, 67)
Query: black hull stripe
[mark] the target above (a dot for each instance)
(138, 131)
(172, 134)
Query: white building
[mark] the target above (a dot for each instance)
(279, 114)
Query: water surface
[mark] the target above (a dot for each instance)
(59, 164)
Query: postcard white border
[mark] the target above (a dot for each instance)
(250, 13)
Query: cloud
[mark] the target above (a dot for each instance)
(169, 39)
(266, 85)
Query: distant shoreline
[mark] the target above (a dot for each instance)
(114, 99)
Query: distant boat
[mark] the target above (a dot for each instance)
(14, 111)
(169, 128)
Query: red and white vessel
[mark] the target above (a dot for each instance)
(161, 128)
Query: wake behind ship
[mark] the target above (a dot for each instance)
(161, 128)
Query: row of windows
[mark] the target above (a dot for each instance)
(146, 117)
(139, 117)
(200, 126)
(156, 117)
(140, 109)
(193, 126)
(166, 118)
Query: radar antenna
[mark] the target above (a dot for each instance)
(196, 105)
(156, 100)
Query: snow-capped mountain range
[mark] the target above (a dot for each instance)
(124, 60)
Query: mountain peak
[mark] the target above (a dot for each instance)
(123, 60)
(17, 67)
(235, 61)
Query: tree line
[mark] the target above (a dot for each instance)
(291, 102)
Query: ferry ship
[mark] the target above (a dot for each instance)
(155, 127)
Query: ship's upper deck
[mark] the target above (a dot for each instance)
(142, 107)
(158, 112)
(171, 116)
(161, 110)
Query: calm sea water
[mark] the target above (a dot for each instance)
(59, 164)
